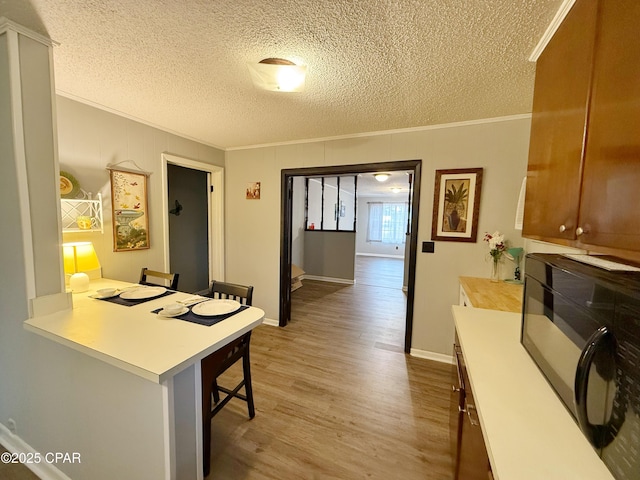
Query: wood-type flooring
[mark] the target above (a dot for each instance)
(336, 397)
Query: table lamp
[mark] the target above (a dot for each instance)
(79, 257)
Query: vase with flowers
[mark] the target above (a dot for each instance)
(497, 247)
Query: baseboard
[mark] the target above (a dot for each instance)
(319, 278)
(270, 321)
(14, 444)
(436, 357)
(383, 255)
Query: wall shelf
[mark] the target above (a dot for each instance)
(71, 209)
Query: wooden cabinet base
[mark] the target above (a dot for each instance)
(471, 461)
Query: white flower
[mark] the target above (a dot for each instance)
(496, 244)
(496, 240)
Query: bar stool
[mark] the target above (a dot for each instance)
(171, 277)
(220, 361)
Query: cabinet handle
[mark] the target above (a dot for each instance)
(474, 421)
(455, 389)
(562, 228)
(580, 231)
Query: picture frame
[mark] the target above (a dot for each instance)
(253, 191)
(129, 208)
(456, 205)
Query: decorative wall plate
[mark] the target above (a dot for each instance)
(69, 186)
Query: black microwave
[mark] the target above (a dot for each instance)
(581, 326)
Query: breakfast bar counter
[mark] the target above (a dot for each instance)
(138, 380)
(134, 339)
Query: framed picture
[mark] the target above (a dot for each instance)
(456, 204)
(129, 208)
(253, 191)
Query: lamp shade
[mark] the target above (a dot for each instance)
(278, 75)
(381, 177)
(79, 257)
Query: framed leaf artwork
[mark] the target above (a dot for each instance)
(456, 205)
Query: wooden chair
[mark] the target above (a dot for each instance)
(171, 277)
(220, 361)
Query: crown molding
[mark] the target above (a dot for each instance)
(6, 25)
(551, 29)
(388, 132)
(104, 108)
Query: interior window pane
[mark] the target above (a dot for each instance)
(347, 210)
(314, 204)
(330, 212)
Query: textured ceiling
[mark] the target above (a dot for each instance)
(373, 65)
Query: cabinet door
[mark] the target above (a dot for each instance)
(610, 206)
(456, 405)
(473, 461)
(557, 127)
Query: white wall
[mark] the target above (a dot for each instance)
(89, 139)
(499, 146)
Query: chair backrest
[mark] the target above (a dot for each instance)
(171, 277)
(240, 293)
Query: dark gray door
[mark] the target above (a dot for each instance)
(188, 226)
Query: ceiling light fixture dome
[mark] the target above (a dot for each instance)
(278, 75)
(381, 177)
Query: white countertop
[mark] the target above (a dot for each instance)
(529, 433)
(136, 340)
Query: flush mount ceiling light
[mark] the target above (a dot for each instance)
(381, 177)
(396, 189)
(278, 75)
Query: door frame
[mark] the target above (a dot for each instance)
(215, 201)
(286, 220)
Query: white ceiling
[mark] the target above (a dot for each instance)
(373, 65)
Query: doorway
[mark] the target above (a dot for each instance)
(193, 221)
(286, 222)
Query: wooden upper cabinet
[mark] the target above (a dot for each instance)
(610, 205)
(560, 108)
(583, 179)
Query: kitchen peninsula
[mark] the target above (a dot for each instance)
(144, 388)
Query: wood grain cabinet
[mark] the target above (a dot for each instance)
(610, 204)
(470, 459)
(584, 156)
